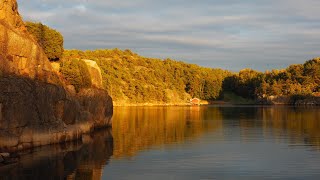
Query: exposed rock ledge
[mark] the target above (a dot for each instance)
(34, 113)
(36, 107)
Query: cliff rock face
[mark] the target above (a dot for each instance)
(20, 54)
(9, 13)
(95, 73)
(36, 108)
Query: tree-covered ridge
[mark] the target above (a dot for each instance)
(49, 39)
(296, 80)
(135, 79)
(132, 78)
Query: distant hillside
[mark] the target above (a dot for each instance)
(131, 78)
(292, 85)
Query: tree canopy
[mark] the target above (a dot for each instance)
(136, 79)
(298, 79)
(76, 73)
(49, 39)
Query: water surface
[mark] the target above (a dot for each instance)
(206, 142)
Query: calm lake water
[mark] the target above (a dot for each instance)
(204, 142)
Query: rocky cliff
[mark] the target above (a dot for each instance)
(36, 108)
(20, 54)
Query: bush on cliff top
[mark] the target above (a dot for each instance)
(49, 39)
(76, 73)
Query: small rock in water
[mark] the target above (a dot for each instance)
(5, 155)
(7, 158)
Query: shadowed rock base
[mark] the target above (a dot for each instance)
(34, 113)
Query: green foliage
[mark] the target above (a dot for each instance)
(49, 39)
(76, 73)
(136, 79)
(296, 81)
(235, 99)
(243, 84)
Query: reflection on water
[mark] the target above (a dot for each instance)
(139, 128)
(215, 143)
(301, 124)
(77, 160)
(187, 143)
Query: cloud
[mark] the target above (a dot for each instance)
(230, 34)
(80, 9)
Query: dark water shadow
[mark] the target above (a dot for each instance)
(83, 159)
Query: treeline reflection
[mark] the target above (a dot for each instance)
(301, 124)
(140, 128)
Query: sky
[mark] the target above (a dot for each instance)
(228, 34)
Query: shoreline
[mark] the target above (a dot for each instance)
(218, 103)
(150, 104)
